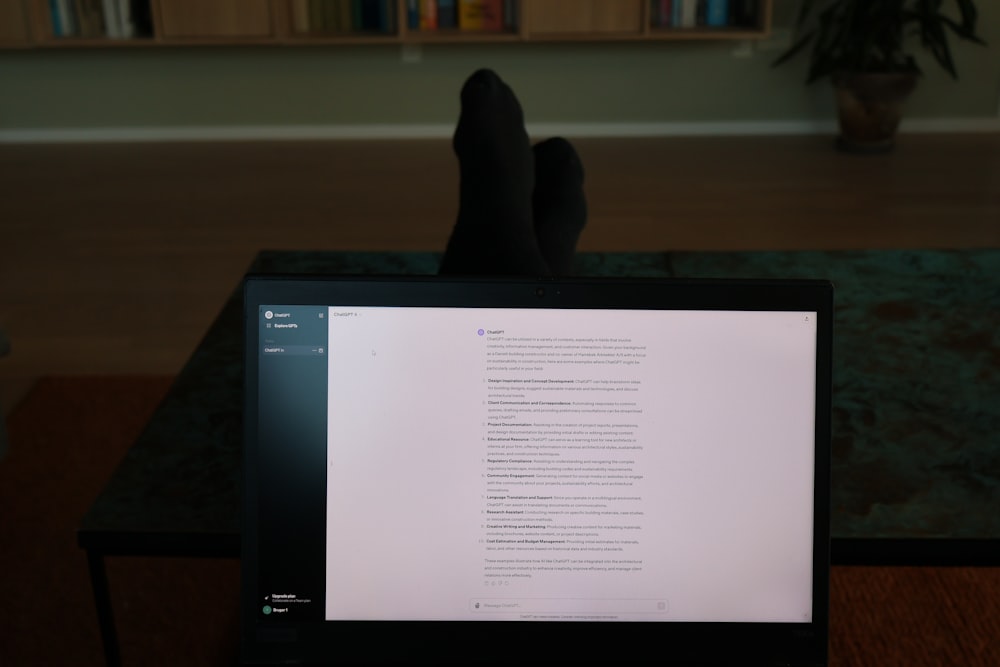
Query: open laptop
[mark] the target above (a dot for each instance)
(577, 471)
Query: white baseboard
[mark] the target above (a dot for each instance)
(948, 125)
(361, 132)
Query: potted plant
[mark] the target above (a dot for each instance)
(862, 46)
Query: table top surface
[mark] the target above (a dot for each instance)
(916, 408)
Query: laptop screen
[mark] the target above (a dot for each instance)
(556, 456)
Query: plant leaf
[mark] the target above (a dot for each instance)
(969, 15)
(960, 30)
(804, 12)
(828, 51)
(939, 45)
(794, 49)
(870, 35)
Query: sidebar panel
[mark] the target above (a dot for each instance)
(292, 498)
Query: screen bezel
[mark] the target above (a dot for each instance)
(477, 641)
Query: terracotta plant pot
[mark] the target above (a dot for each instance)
(870, 107)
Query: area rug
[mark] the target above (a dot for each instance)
(68, 434)
(916, 396)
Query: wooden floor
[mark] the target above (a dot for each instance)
(114, 258)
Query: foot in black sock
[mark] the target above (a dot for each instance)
(494, 234)
(558, 202)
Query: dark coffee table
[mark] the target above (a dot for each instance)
(916, 463)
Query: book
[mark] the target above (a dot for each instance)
(470, 14)
(493, 15)
(125, 24)
(54, 18)
(335, 15)
(82, 20)
(300, 16)
(374, 15)
(676, 12)
(64, 19)
(481, 15)
(112, 21)
(717, 13)
(428, 15)
(510, 15)
(325, 16)
(688, 14)
(97, 14)
(744, 13)
(331, 15)
(317, 15)
(142, 18)
(389, 16)
(345, 16)
(360, 17)
(666, 13)
(89, 18)
(413, 14)
(447, 13)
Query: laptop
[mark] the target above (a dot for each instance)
(472, 471)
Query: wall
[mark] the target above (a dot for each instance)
(596, 84)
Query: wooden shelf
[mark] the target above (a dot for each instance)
(706, 34)
(86, 42)
(457, 36)
(29, 23)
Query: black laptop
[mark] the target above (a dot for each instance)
(511, 471)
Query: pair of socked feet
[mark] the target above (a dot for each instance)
(521, 208)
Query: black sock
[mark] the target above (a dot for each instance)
(559, 205)
(494, 234)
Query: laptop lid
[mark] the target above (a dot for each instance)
(454, 470)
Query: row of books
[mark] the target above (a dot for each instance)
(98, 19)
(703, 13)
(344, 16)
(471, 15)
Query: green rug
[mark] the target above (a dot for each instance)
(916, 398)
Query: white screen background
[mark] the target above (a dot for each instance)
(726, 430)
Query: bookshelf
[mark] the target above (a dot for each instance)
(134, 23)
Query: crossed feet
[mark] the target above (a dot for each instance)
(521, 208)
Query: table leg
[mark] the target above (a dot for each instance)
(105, 616)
